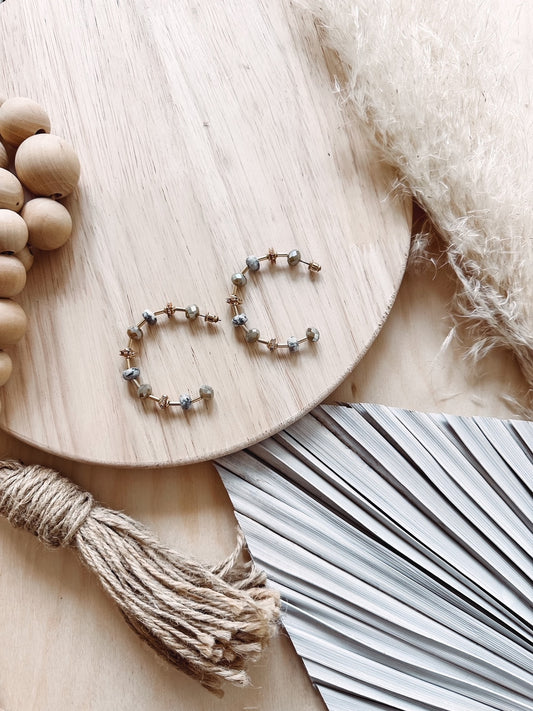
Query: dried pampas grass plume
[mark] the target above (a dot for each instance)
(432, 84)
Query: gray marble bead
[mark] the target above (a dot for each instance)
(253, 263)
(185, 402)
(239, 319)
(144, 391)
(135, 333)
(294, 257)
(150, 317)
(252, 335)
(293, 344)
(312, 334)
(238, 279)
(206, 392)
(192, 311)
(131, 373)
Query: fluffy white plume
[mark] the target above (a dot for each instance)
(434, 86)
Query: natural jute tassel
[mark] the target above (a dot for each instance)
(208, 622)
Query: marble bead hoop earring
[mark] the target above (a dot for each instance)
(240, 319)
(132, 373)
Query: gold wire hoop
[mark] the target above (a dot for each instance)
(132, 372)
(235, 300)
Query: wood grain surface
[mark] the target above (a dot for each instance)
(206, 132)
(64, 645)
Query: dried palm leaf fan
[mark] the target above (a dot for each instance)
(402, 545)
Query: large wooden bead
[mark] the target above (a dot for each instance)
(13, 322)
(11, 192)
(4, 157)
(26, 257)
(12, 276)
(21, 118)
(6, 367)
(13, 232)
(47, 165)
(49, 223)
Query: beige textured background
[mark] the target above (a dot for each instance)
(64, 646)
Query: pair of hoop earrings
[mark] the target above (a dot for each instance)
(132, 373)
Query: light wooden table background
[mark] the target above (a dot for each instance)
(65, 646)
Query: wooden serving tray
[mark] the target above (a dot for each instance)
(206, 132)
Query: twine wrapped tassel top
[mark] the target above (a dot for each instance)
(209, 622)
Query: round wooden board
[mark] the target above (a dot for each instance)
(206, 132)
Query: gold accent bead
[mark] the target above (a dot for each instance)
(234, 299)
(272, 344)
(314, 267)
(128, 353)
(272, 255)
(164, 402)
(211, 318)
(169, 309)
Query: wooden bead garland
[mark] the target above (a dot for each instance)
(13, 232)
(13, 322)
(6, 366)
(4, 158)
(12, 276)
(11, 192)
(27, 257)
(46, 166)
(21, 118)
(49, 223)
